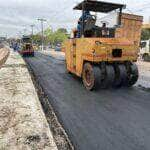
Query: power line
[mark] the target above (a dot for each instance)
(130, 11)
(142, 9)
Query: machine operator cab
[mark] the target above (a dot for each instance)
(94, 26)
(103, 51)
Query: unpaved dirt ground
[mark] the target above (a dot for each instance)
(144, 69)
(113, 119)
(61, 138)
(23, 125)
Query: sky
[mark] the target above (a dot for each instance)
(16, 16)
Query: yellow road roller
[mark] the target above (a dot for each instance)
(103, 51)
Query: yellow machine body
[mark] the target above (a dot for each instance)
(96, 50)
(105, 60)
(126, 40)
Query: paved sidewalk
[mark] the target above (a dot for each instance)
(23, 125)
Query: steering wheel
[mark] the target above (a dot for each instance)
(93, 17)
(107, 23)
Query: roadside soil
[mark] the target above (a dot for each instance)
(60, 137)
(144, 71)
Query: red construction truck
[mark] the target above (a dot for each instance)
(27, 47)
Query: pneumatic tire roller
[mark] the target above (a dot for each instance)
(109, 75)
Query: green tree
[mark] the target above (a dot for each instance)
(51, 37)
(60, 36)
(145, 34)
(55, 37)
(62, 30)
(36, 38)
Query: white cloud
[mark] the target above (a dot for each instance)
(16, 14)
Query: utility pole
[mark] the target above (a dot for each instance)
(24, 30)
(32, 29)
(32, 32)
(42, 29)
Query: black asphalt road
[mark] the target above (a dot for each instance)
(101, 120)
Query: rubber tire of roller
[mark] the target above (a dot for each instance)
(95, 76)
(134, 75)
(109, 77)
(121, 78)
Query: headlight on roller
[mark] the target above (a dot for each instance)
(98, 43)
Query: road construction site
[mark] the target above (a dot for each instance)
(90, 93)
(104, 119)
(57, 112)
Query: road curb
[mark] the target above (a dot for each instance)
(4, 53)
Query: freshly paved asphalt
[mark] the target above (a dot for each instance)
(114, 119)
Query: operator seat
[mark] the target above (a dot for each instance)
(89, 27)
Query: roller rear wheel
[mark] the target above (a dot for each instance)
(133, 75)
(109, 77)
(120, 75)
(91, 76)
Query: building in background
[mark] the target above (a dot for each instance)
(146, 26)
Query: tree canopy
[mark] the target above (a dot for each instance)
(52, 37)
(145, 34)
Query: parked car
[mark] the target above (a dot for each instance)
(145, 50)
(58, 47)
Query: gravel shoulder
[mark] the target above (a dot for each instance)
(144, 70)
(23, 125)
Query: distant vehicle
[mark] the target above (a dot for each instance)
(16, 47)
(2, 39)
(145, 50)
(58, 47)
(27, 48)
